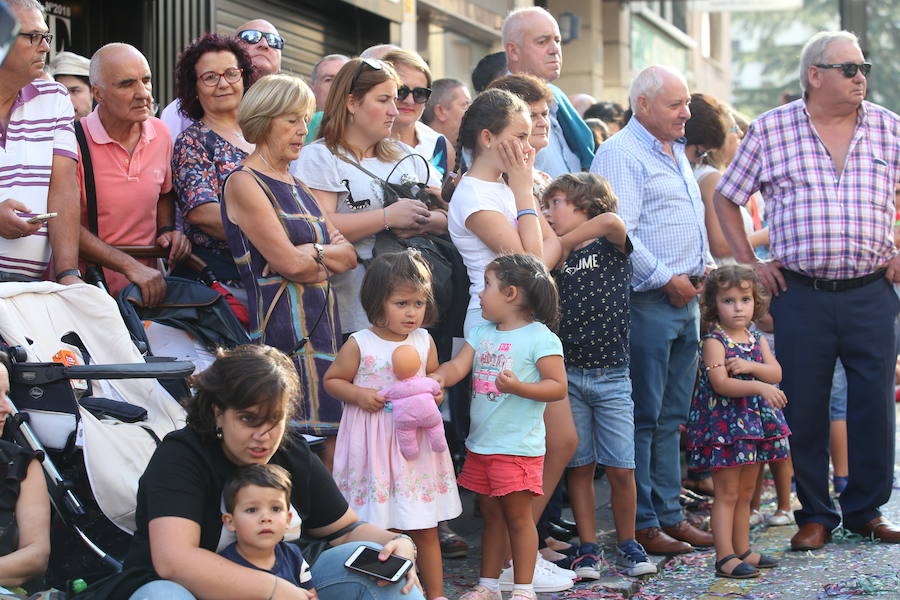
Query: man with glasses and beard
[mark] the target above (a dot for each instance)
(264, 45)
(131, 166)
(827, 165)
(37, 164)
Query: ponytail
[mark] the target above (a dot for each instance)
(535, 283)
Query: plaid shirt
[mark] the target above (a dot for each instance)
(821, 224)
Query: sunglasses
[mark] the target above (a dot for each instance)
(420, 94)
(252, 36)
(372, 63)
(36, 37)
(231, 75)
(849, 69)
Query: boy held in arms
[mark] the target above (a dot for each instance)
(257, 505)
(594, 289)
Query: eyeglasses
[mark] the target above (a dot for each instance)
(849, 69)
(420, 94)
(372, 63)
(253, 36)
(231, 75)
(36, 37)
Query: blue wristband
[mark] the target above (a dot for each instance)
(527, 211)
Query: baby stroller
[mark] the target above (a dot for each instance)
(96, 435)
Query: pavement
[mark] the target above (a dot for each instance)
(848, 568)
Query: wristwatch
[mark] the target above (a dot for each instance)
(320, 252)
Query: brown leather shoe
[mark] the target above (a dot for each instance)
(655, 541)
(686, 532)
(880, 528)
(810, 536)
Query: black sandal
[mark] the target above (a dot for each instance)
(742, 571)
(765, 561)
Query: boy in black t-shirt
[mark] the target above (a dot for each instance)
(594, 282)
(257, 504)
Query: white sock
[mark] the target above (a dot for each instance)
(490, 583)
(524, 587)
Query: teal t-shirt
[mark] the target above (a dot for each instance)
(506, 423)
(312, 128)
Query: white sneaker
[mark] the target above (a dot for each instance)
(479, 592)
(756, 518)
(553, 568)
(780, 518)
(544, 580)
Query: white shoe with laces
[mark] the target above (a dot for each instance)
(544, 580)
(553, 568)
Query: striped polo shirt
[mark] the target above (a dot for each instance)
(40, 127)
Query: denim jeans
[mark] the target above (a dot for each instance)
(332, 580)
(604, 416)
(664, 353)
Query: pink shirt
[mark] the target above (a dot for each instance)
(128, 186)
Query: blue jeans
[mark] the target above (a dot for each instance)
(664, 353)
(332, 579)
(604, 416)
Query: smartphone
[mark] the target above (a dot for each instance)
(9, 27)
(41, 218)
(365, 560)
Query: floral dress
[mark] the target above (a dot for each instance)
(381, 485)
(727, 432)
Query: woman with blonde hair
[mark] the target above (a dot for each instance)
(285, 248)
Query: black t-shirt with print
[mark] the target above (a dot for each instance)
(594, 291)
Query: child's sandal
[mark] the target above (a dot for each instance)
(765, 561)
(742, 571)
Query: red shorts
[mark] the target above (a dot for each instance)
(501, 474)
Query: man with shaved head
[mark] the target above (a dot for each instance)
(130, 164)
(263, 44)
(37, 164)
(663, 212)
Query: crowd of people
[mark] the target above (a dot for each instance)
(629, 274)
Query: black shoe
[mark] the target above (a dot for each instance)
(566, 524)
(556, 531)
(742, 571)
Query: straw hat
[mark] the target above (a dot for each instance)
(69, 63)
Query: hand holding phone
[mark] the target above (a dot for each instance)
(365, 560)
(42, 218)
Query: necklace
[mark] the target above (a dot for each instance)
(273, 169)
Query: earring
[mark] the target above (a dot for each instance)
(488, 146)
(218, 433)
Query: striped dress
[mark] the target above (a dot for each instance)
(298, 307)
(40, 128)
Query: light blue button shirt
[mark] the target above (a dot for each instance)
(556, 158)
(660, 202)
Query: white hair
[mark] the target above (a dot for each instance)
(25, 5)
(95, 70)
(324, 59)
(649, 82)
(816, 50)
(511, 30)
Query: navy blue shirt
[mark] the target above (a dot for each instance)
(289, 564)
(594, 291)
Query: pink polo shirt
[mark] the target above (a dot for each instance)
(128, 186)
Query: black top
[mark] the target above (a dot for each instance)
(594, 297)
(14, 461)
(185, 478)
(289, 564)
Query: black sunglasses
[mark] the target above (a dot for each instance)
(849, 69)
(36, 37)
(252, 36)
(420, 95)
(372, 63)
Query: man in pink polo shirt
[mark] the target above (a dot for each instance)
(131, 155)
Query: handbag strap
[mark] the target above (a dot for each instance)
(90, 188)
(385, 180)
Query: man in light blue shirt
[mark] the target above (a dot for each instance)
(533, 45)
(660, 203)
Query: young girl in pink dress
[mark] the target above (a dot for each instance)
(381, 485)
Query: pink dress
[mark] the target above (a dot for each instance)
(379, 483)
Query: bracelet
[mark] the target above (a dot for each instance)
(67, 273)
(709, 368)
(386, 226)
(406, 537)
(526, 211)
(166, 229)
(272, 595)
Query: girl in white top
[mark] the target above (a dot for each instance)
(356, 128)
(492, 209)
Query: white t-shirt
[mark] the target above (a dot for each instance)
(701, 172)
(319, 169)
(473, 195)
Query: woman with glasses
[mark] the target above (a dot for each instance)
(412, 96)
(345, 167)
(210, 78)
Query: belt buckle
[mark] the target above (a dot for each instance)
(824, 285)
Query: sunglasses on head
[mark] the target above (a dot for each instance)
(372, 63)
(849, 69)
(420, 94)
(252, 36)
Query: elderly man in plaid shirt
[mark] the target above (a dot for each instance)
(827, 165)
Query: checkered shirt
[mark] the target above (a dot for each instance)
(821, 224)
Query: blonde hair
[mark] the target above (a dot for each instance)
(270, 97)
(336, 118)
(408, 59)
